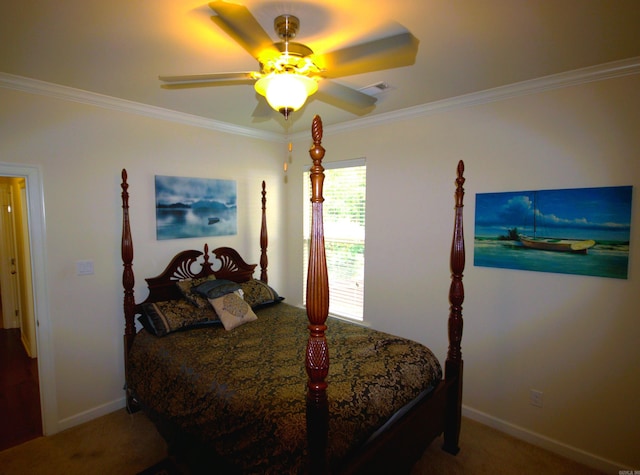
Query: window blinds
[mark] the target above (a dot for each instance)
(344, 193)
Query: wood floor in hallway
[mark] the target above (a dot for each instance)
(19, 392)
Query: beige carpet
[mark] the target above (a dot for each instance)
(123, 444)
(484, 451)
(118, 443)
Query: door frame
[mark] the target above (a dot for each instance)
(37, 243)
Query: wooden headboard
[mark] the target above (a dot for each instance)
(232, 267)
(228, 265)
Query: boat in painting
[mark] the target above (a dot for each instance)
(579, 246)
(554, 244)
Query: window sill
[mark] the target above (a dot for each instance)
(362, 323)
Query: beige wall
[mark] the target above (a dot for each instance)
(81, 151)
(573, 337)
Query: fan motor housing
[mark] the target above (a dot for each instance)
(286, 26)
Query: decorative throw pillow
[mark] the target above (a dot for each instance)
(233, 310)
(165, 317)
(188, 289)
(258, 294)
(212, 289)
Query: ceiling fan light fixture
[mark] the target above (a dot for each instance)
(286, 92)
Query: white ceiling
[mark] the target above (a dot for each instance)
(119, 47)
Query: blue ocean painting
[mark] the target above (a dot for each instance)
(195, 207)
(582, 231)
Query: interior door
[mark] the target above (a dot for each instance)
(25, 277)
(8, 263)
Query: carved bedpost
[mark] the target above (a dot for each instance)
(317, 355)
(317, 280)
(128, 279)
(264, 240)
(454, 363)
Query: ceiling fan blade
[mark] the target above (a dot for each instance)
(242, 26)
(386, 53)
(344, 94)
(205, 80)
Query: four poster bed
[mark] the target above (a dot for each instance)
(218, 366)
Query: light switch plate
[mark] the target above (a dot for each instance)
(84, 267)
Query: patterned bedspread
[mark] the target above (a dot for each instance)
(242, 392)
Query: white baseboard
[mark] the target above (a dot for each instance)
(547, 443)
(91, 414)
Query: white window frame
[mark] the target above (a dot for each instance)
(346, 295)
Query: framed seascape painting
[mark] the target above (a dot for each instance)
(572, 231)
(195, 207)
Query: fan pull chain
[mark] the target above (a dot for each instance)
(289, 158)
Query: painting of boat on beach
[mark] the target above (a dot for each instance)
(195, 207)
(582, 231)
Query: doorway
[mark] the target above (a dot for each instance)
(28, 402)
(19, 383)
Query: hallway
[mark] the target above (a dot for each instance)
(19, 393)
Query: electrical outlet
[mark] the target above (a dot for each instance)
(535, 398)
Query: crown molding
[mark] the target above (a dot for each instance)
(66, 93)
(599, 72)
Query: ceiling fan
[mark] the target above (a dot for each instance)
(289, 72)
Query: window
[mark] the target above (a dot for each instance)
(344, 193)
